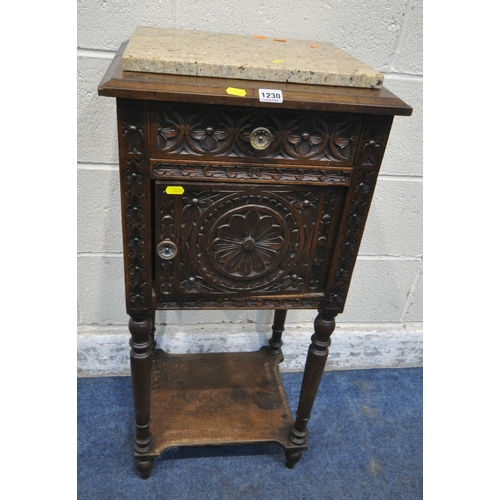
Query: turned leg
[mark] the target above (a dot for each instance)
(144, 466)
(324, 325)
(275, 342)
(152, 334)
(141, 357)
(292, 457)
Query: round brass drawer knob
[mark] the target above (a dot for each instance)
(260, 138)
(166, 250)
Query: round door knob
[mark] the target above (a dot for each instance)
(260, 138)
(166, 250)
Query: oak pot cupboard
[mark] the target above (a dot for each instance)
(232, 203)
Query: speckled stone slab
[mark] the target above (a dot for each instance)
(200, 53)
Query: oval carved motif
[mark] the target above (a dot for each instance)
(210, 132)
(306, 137)
(170, 130)
(342, 139)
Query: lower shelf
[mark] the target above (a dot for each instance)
(218, 399)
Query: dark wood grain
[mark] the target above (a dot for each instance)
(218, 399)
(324, 325)
(141, 357)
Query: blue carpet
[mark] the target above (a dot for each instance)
(365, 442)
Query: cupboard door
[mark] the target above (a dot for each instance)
(218, 240)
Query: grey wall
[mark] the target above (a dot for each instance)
(382, 322)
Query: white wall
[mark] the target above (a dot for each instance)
(382, 322)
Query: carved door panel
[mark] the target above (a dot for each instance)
(219, 240)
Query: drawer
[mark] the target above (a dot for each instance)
(220, 240)
(227, 133)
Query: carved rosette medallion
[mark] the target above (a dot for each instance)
(249, 243)
(246, 242)
(306, 137)
(210, 132)
(170, 130)
(255, 121)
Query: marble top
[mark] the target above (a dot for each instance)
(220, 55)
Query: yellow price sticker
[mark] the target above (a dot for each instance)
(174, 190)
(238, 92)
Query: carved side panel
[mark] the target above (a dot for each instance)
(133, 133)
(373, 142)
(132, 125)
(223, 132)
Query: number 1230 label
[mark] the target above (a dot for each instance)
(267, 95)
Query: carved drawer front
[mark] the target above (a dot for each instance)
(274, 136)
(220, 240)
